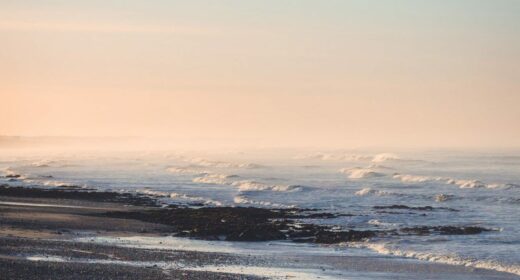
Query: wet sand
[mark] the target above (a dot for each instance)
(39, 234)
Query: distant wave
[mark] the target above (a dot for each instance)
(43, 163)
(376, 159)
(463, 184)
(185, 170)
(385, 157)
(211, 178)
(370, 191)
(244, 185)
(334, 157)
(386, 249)
(379, 166)
(222, 164)
(249, 185)
(50, 163)
(361, 173)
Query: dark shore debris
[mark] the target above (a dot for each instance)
(260, 224)
(78, 193)
(245, 224)
(240, 223)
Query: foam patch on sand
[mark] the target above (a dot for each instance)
(270, 272)
(260, 271)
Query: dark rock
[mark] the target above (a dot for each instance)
(78, 194)
(420, 208)
(444, 230)
(246, 224)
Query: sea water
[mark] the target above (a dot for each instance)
(483, 187)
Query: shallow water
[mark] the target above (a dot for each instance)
(484, 187)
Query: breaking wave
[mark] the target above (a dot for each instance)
(240, 199)
(179, 196)
(370, 191)
(463, 184)
(244, 185)
(361, 173)
(218, 179)
(249, 185)
(385, 249)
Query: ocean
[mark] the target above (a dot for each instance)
(379, 190)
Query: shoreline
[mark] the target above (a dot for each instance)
(40, 230)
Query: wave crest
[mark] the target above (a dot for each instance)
(361, 173)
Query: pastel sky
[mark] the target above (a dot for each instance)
(443, 73)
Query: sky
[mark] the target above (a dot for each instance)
(278, 73)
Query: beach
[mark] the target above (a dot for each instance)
(69, 234)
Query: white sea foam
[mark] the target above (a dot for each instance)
(387, 249)
(179, 196)
(361, 173)
(463, 184)
(370, 191)
(249, 185)
(377, 222)
(198, 199)
(241, 199)
(154, 193)
(57, 184)
(244, 185)
(443, 197)
(212, 178)
(468, 184)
